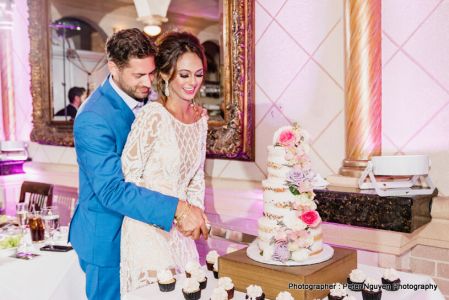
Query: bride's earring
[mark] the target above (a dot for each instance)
(166, 90)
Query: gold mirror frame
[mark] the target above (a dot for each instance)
(231, 139)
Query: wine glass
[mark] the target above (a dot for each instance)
(22, 215)
(50, 216)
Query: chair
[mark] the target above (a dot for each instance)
(37, 195)
(65, 199)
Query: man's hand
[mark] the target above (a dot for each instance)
(190, 221)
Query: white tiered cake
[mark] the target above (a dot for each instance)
(289, 230)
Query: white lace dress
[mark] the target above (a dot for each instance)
(164, 155)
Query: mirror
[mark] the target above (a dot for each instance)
(227, 34)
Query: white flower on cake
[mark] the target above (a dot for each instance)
(164, 275)
(219, 294)
(339, 290)
(191, 285)
(253, 291)
(357, 276)
(300, 255)
(268, 252)
(391, 274)
(292, 221)
(284, 296)
(226, 283)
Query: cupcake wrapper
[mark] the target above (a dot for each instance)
(188, 275)
(355, 286)
(258, 298)
(371, 295)
(210, 266)
(203, 284)
(192, 296)
(230, 293)
(330, 297)
(167, 287)
(391, 285)
(216, 274)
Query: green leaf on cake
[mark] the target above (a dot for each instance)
(293, 190)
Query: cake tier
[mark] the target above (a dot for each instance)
(276, 156)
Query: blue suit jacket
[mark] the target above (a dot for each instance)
(100, 130)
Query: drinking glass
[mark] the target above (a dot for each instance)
(36, 225)
(50, 215)
(22, 215)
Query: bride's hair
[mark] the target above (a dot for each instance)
(171, 46)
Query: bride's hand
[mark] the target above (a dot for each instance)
(190, 221)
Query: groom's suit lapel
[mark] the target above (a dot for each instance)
(122, 117)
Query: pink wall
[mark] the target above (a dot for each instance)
(300, 77)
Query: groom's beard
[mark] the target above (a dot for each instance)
(138, 92)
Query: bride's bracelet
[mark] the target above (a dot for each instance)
(183, 213)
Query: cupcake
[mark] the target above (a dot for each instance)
(200, 276)
(338, 292)
(219, 293)
(228, 285)
(254, 292)
(215, 269)
(371, 290)
(211, 258)
(165, 280)
(191, 265)
(284, 296)
(355, 280)
(191, 289)
(390, 280)
(349, 297)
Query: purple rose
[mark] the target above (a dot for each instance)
(281, 252)
(295, 177)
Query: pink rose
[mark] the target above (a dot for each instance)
(311, 218)
(286, 138)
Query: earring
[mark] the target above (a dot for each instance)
(166, 91)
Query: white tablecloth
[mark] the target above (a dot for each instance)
(52, 275)
(152, 291)
(58, 276)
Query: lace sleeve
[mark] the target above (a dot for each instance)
(139, 145)
(196, 187)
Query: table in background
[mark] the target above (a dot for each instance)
(152, 291)
(52, 275)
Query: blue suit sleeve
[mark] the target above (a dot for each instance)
(96, 151)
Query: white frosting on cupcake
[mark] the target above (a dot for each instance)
(349, 297)
(284, 296)
(372, 284)
(191, 265)
(253, 291)
(300, 255)
(190, 285)
(164, 276)
(226, 283)
(219, 294)
(198, 274)
(339, 290)
(216, 266)
(357, 276)
(268, 252)
(390, 274)
(212, 256)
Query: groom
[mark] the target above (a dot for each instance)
(100, 130)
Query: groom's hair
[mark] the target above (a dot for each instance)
(129, 43)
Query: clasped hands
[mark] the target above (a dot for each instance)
(191, 221)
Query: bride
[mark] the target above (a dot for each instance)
(165, 152)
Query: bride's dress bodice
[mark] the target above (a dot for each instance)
(167, 156)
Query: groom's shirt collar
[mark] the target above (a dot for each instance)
(132, 103)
